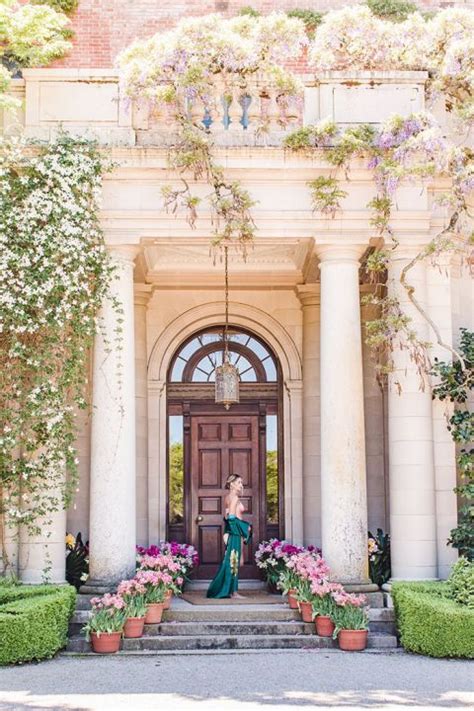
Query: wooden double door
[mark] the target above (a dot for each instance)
(220, 445)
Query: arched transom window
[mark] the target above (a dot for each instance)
(197, 360)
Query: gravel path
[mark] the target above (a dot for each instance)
(272, 680)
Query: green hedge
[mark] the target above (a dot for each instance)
(431, 623)
(34, 621)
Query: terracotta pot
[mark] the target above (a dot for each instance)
(167, 601)
(292, 601)
(106, 642)
(324, 626)
(306, 610)
(154, 613)
(133, 627)
(352, 640)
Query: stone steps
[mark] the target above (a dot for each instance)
(160, 643)
(188, 628)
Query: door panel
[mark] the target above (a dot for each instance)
(222, 445)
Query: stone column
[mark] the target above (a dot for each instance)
(142, 297)
(343, 468)
(112, 484)
(410, 435)
(309, 297)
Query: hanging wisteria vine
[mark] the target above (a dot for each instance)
(182, 67)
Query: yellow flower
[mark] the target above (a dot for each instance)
(234, 562)
(70, 540)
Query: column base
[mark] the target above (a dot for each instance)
(362, 587)
(98, 587)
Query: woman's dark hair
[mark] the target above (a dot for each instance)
(230, 479)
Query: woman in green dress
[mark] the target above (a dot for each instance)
(236, 533)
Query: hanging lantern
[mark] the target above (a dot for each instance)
(227, 375)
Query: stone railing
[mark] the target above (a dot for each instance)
(88, 102)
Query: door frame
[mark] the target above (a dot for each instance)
(188, 399)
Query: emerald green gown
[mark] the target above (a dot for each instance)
(226, 580)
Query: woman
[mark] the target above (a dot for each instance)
(236, 533)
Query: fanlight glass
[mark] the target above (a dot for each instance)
(199, 359)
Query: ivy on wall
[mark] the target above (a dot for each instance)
(54, 275)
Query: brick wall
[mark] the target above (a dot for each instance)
(104, 27)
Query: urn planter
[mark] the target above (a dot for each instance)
(105, 642)
(292, 601)
(352, 640)
(306, 611)
(154, 613)
(324, 626)
(133, 627)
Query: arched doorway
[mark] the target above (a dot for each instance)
(206, 443)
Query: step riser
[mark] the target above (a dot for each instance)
(158, 644)
(288, 628)
(375, 601)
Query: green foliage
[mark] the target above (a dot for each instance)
(326, 194)
(176, 483)
(305, 138)
(310, 18)
(250, 11)
(349, 617)
(394, 10)
(34, 621)
(461, 582)
(66, 6)
(355, 141)
(455, 385)
(30, 35)
(429, 622)
(379, 557)
(272, 486)
(77, 562)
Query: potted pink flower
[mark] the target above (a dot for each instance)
(351, 621)
(156, 584)
(105, 624)
(166, 564)
(323, 606)
(309, 571)
(133, 594)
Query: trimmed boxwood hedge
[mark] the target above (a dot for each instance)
(34, 621)
(431, 623)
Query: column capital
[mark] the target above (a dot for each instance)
(309, 294)
(142, 294)
(340, 253)
(125, 253)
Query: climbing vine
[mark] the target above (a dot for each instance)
(180, 70)
(455, 384)
(54, 275)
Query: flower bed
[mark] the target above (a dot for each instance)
(34, 621)
(431, 622)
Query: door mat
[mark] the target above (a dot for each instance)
(249, 597)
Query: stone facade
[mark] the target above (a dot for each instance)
(354, 456)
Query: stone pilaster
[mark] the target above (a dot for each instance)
(310, 300)
(142, 296)
(410, 432)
